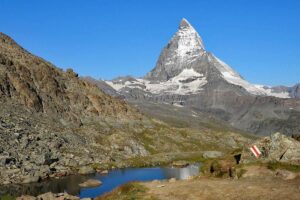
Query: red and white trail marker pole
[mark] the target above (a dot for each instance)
(255, 151)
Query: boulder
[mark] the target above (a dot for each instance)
(46, 196)
(2, 161)
(90, 183)
(86, 170)
(65, 196)
(6, 182)
(104, 172)
(180, 164)
(12, 171)
(212, 154)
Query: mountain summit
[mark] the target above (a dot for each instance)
(182, 50)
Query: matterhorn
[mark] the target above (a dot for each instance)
(191, 84)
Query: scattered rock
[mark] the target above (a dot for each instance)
(6, 182)
(2, 161)
(26, 197)
(66, 196)
(49, 196)
(46, 196)
(30, 179)
(12, 171)
(90, 183)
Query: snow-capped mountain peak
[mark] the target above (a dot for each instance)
(182, 50)
(188, 38)
(185, 67)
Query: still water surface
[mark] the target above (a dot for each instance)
(110, 181)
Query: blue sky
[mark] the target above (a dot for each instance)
(108, 38)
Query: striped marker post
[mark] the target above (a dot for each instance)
(255, 151)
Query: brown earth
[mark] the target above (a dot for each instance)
(215, 189)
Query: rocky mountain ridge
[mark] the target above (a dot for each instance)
(39, 85)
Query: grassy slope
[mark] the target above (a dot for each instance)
(129, 191)
(165, 144)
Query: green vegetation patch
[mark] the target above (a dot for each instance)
(129, 191)
(286, 166)
(7, 197)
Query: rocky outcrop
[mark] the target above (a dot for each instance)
(34, 147)
(277, 147)
(212, 154)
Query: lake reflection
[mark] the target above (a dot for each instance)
(110, 181)
(181, 173)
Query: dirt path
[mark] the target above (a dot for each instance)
(263, 188)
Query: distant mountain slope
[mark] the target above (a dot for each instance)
(294, 91)
(103, 86)
(188, 76)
